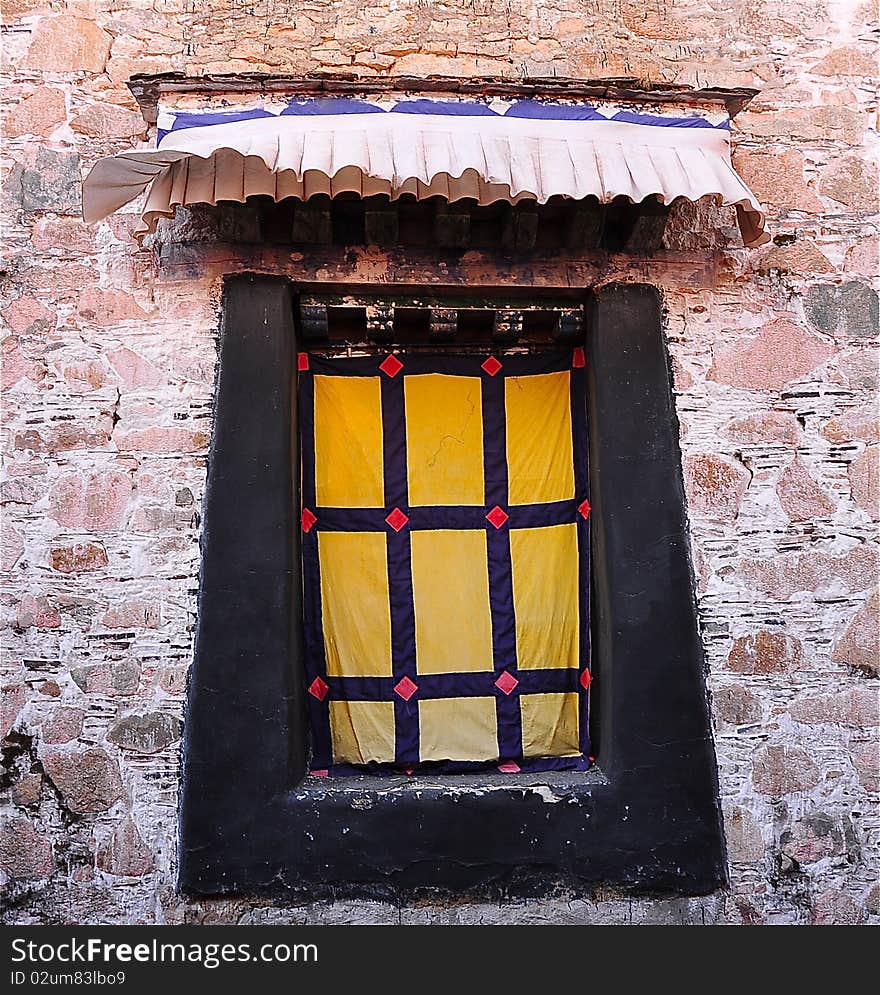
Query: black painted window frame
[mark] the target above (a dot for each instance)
(647, 821)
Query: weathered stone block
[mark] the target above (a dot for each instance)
(51, 183)
(715, 485)
(780, 770)
(68, 44)
(850, 310)
(25, 854)
(780, 353)
(88, 782)
(765, 653)
(147, 734)
(78, 558)
(124, 853)
(800, 495)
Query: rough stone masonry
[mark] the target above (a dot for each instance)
(108, 374)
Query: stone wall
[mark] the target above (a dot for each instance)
(108, 373)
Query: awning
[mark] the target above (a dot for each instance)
(519, 150)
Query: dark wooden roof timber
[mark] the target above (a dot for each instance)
(147, 88)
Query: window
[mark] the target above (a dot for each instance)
(647, 818)
(446, 560)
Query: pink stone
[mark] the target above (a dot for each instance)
(12, 701)
(124, 853)
(40, 113)
(17, 367)
(98, 501)
(855, 424)
(780, 353)
(736, 705)
(133, 370)
(777, 178)
(861, 259)
(835, 908)
(67, 436)
(866, 758)
(743, 834)
(132, 615)
(851, 181)
(800, 257)
(856, 707)
(859, 646)
(801, 497)
(783, 574)
(782, 770)
(11, 546)
(108, 307)
(25, 854)
(64, 724)
(89, 781)
(863, 479)
(37, 613)
(70, 236)
(715, 485)
(159, 439)
(27, 316)
(85, 375)
(109, 121)
(82, 557)
(68, 44)
(765, 653)
(815, 837)
(778, 428)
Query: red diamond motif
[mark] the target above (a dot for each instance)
(318, 689)
(491, 366)
(586, 679)
(405, 688)
(497, 516)
(308, 519)
(391, 365)
(409, 771)
(302, 361)
(509, 767)
(397, 519)
(506, 682)
(578, 359)
(584, 509)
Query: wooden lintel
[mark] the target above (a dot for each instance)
(330, 268)
(149, 88)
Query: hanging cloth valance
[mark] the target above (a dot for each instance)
(524, 150)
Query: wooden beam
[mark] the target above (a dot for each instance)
(520, 228)
(426, 272)
(508, 326)
(312, 223)
(313, 322)
(584, 223)
(569, 326)
(444, 324)
(381, 225)
(380, 322)
(452, 226)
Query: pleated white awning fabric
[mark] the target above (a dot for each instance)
(534, 150)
